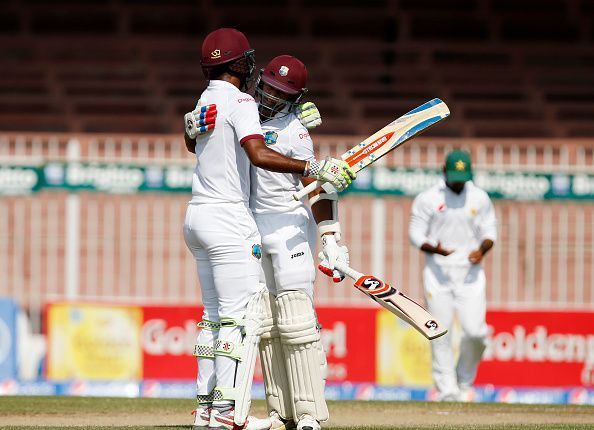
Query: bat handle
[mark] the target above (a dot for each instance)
(351, 273)
(306, 190)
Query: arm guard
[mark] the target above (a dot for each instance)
(331, 225)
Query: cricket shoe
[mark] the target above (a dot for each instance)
(202, 418)
(279, 423)
(307, 422)
(467, 394)
(225, 421)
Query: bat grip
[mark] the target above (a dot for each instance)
(306, 190)
(351, 273)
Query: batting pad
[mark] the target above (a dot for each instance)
(274, 368)
(300, 339)
(251, 331)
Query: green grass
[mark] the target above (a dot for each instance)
(91, 413)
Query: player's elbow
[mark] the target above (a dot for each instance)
(256, 158)
(256, 151)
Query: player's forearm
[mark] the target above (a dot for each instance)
(429, 248)
(265, 158)
(322, 210)
(190, 143)
(486, 245)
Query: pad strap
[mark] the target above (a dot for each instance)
(209, 325)
(223, 393)
(205, 399)
(204, 351)
(229, 349)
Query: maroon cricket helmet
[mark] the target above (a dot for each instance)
(223, 46)
(287, 74)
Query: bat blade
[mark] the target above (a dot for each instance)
(401, 305)
(395, 134)
(389, 138)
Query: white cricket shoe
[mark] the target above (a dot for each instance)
(225, 421)
(307, 422)
(279, 423)
(467, 394)
(449, 397)
(202, 418)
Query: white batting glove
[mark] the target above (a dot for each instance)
(200, 121)
(309, 115)
(330, 254)
(332, 170)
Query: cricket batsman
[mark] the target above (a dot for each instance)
(292, 356)
(221, 232)
(454, 224)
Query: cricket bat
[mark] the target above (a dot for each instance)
(396, 302)
(388, 138)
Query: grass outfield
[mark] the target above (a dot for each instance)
(114, 413)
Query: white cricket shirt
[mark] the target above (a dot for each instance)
(460, 222)
(222, 172)
(273, 192)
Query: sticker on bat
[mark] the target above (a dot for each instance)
(431, 325)
(372, 285)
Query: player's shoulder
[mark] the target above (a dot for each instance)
(427, 195)
(297, 129)
(241, 100)
(430, 195)
(478, 192)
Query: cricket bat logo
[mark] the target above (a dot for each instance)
(373, 286)
(431, 325)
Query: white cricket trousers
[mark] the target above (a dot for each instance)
(225, 242)
(461, 290)
(289, 245)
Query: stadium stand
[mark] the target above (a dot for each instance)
(133, 66)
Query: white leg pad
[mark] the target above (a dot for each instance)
(298, 329)
(252, 330)
(276, 382)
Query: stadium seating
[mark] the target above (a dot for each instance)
(133, 66)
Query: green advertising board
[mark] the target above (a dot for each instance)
(382, 181)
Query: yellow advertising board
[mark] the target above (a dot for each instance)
(94, 342)
(403, 355)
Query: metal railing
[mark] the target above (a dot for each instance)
(57, 245)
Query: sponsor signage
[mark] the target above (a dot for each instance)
(539, 349)
(499, 185)
(8, 360)
(349, 338)
(369, 346)
(168, 337)
(127, 178)
(94, 342)
(116, 178)
(169, 334)
(18, 180)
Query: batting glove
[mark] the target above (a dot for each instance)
(330, 254)
(309, 115)
(332, 170)
(200, 121)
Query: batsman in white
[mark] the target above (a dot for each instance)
(454, 223)
(221, 233)
(292, 355)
